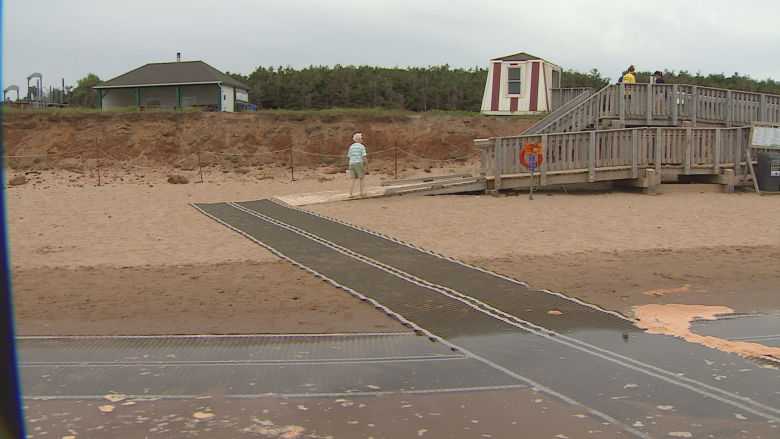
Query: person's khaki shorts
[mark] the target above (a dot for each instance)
(357, 170)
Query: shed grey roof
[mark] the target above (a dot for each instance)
(522, 56)
(172, 73)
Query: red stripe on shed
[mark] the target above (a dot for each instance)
(534, 104)
(496, 87)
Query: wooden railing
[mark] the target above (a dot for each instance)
(706, 149)
(666, 104)
(560, 96)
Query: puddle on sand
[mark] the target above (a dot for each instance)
(715, 327)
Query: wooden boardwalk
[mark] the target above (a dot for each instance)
(660, 132)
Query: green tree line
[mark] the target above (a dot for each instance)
(417, 89)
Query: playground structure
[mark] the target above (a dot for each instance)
(37, 96)
(634, 135)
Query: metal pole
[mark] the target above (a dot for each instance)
(11, 416)
(97, 155)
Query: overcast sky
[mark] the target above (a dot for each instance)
(70, 38)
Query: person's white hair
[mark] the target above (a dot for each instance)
(357, 137)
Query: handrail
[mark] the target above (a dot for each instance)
(663, 104)
(542, 125)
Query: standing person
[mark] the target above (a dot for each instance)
(660, 104)
(358, 163)
(629, 77)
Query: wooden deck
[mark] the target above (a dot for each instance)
(642, 157)
(636, 135)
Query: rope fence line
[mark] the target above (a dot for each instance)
(123, 163)
(243, 154)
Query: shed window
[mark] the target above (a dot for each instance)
(186, 101)
(153, 102)
(514, 76)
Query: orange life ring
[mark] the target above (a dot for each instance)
(532, 149)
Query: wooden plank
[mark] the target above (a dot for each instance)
(650, 99)
(634, 152)
(499, 162)
(728, 115)
(688, 145)
(429, 178)
(546, 162)
(659, 149)
(622, 104)
(752, 171)
(675, 103)
(716, 152)
(592, 157)
(695, 103)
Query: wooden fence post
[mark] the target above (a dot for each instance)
(622, 104)
(716, 152)
(97, 156)
(688, 146)
(543, 170)
(292, 166)
(499, 162)
(396, 159)
(675, 104)
(200, 166)
(592, 157)
(634, 152)
(728, 109)
(659, 149)
(650, 101)
(695, 109)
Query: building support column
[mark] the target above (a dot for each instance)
(137, 93)
(177, 92)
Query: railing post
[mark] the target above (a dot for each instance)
(634, 152)
(688, 144)
(762, 108)
(716, 152)
(543, 171)
(738, 152)
(483, 161)
(650, 101)
(729, 105)
(499, 163)
(622, 104)
(695, 109)
(592, 157)
(659, 149)
(675, 104)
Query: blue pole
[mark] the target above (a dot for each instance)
(11, 419)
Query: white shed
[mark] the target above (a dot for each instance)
(519, 84)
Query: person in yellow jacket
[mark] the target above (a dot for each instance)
(629, 76)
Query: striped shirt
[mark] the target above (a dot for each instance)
(356, 153)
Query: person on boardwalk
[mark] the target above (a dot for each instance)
(358, 163)
(629, 77)
(657, 79)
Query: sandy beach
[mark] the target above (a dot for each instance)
(133, 257)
